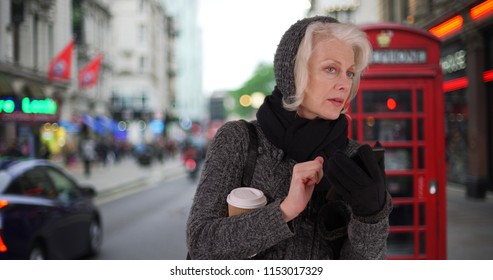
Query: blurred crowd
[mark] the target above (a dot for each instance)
(101, 151)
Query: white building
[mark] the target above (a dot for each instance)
(190, 102)
(141, 54)
(354, 11)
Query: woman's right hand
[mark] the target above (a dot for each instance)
(305, 176)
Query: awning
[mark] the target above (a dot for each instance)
(70, 127)
(102, 125)
(89, 121)
(105, 125)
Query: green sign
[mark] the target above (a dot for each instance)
(44, 106)
(29, 106)
(7, 106)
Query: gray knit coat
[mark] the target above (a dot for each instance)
(262, 233)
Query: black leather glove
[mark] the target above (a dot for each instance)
(360, 180)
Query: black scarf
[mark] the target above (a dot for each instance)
(301, 139)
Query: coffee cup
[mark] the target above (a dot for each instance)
(242, 200)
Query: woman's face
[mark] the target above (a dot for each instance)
(331, 69)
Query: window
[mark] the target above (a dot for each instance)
(142, 64)
(456, 130)
(51, 41)
(33, 183)
(116, 101)
(66, 188)
(35, 41)
(142, 6)
(391, 101)
(142, 33)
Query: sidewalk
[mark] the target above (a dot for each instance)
(126, 174)
(469, 225)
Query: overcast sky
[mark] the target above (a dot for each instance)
(239, 34)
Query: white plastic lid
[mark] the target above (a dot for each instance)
(247, 198)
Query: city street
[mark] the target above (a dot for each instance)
(145, 211)
(149, 224)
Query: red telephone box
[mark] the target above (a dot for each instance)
(400, 104)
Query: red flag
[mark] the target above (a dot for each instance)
(60, 65)
(88, 76)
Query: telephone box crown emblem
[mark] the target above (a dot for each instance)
(384, 38)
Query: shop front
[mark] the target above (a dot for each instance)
(23, 121)
(454, 64)
(467, 63)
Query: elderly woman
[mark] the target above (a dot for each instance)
(326, 194)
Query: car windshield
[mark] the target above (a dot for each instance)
(4, 180)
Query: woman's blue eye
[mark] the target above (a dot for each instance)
(331, 69)
(350, 75)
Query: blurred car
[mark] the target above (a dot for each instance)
(45, 213)
(144, 154)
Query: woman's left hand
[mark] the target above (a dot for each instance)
(360, 180)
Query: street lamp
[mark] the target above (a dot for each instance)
(246, 100)
(257, 99)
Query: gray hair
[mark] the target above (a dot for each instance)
(345, 32)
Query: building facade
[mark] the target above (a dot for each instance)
(31, 33)
(465, 29)
(142, 88)
(135, 81)
(91, 26)
(354, 11)
(190, 102)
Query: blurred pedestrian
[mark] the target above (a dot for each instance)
(13, 150)
(326, 194)
(44, 151)
(101, 150)
(25, 148)
(87, 150)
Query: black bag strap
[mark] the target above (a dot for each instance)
(246, 180)
(252, 154)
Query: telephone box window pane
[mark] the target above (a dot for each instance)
(419, 100)
(422, 243)
(387, 130)
(398, 159)
(354, 129)
(402, 215)
(421, 129)
(400, 244)
(400, 186)
(422, 219)
(421, 158)
(387, 101)
(354, 106)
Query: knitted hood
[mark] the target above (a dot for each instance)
(284, 58)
